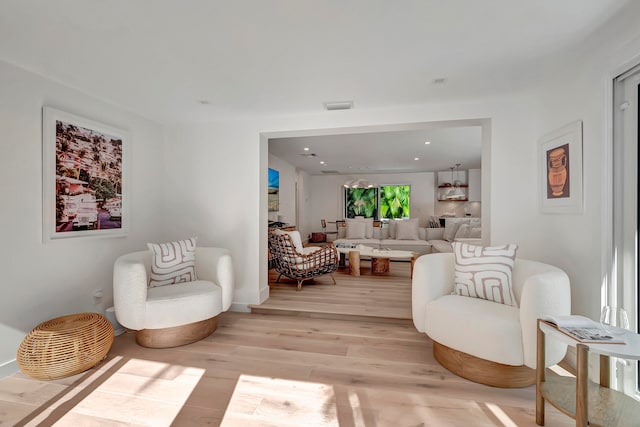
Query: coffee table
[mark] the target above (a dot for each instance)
(379, 258)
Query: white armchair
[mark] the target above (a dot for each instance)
(172, 315)
(485, 341)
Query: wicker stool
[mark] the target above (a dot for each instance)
(65, 346)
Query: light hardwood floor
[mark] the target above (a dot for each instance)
(276, 370)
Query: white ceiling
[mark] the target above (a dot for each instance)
(206, 60)
(383, 152)
(159, 58)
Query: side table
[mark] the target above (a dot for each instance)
(587, 402)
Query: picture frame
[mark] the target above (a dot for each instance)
(560, 170)
(85, 177)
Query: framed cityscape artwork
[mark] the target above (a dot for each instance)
(84, 177)
(560, 169)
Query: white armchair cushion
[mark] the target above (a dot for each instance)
(173, 262)
(183, 303)
(485, 272)
(296, 239)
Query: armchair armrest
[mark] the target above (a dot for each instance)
(433, 277)
(215, 265)
(545, 293)
(130, 289)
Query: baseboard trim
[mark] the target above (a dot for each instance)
(241, 308)
(264, 294)
(9, 368)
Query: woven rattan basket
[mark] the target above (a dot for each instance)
(65, 346)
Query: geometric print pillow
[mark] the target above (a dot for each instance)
(485, 272)
(173, 262)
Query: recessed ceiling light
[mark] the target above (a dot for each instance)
(439, 81)
(416, 158)
(322, 162)
(338, 105)
(427, 142)
(306, 148)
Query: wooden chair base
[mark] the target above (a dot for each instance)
(178, 335)
(483, 371)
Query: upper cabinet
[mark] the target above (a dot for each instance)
(475, 185)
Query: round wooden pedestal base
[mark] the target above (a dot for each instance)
(178, 335)
(483, 371)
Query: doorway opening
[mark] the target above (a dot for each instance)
(266, 137)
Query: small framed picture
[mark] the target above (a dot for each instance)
(85, 177)
(560, 169)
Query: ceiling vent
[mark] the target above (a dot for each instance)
(310, 155)
(339, 105)
(330, 172)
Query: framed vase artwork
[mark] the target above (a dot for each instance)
(84, 177)
(560, 169)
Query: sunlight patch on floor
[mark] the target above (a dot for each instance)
(275, 401)
(141, 392)
(500, 415)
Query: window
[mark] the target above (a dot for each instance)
(361, 202)
(384, 202)
(395, 201)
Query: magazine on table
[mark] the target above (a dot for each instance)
(583, 329)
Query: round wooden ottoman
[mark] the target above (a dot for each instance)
(65, 346)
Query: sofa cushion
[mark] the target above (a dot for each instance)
(462, 232)
(451, 227)
(356, 230)
(485, 272)
(482, 328)
(368, 223)
(173, 262)
(407, 230)
(441, 246)
(475, 232)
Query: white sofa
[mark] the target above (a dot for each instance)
(386, 238)
(467, 230)
(426, 241)
(172, 315)
(485, 341)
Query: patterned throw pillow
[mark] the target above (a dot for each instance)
(485, 272)
(173, 262)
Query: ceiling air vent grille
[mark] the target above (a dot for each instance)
(330, 172)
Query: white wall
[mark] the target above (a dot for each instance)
(328, 203)
(45, 280)
(206, 156)
(578, 87)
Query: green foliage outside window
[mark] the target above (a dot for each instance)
(395, 201)
(361, 202)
